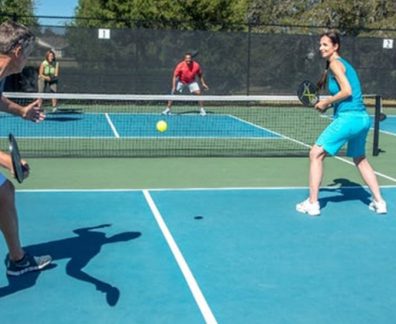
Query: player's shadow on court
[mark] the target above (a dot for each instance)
(344, 190)
(80, 250)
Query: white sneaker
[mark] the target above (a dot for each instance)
(202, 112)
(309, 208)
(167, 111)
(378, 207)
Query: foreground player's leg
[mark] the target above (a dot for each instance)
(311, 205)
(17, 261)
(378, 204)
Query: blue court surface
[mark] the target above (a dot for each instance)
(389, 125)
(196, 256)
(97, 125)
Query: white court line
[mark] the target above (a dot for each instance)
(337, 157)
(388, 133)
(254, 125)
(259, 188)
(192, 283)
(112, 126)
(267, 130)
(187, 189)
(376, 172)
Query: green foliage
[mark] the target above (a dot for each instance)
(214, 14)
(186, 14)
(20, 10)
(351, 16)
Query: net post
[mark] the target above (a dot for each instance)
(378, 104)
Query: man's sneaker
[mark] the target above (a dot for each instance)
(202, 112)
(27, 264)
(309, 208)
(378, 207)
(167, 111)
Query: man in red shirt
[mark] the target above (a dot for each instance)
(184, 76)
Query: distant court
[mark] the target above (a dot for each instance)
(107, 125)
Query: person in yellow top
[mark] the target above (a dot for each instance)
(48, 76)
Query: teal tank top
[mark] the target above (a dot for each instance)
(355, 101)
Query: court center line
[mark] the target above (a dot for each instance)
(112, 126)
(185, 269)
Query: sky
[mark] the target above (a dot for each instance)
(63, 8)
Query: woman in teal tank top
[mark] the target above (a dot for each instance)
(350, 126)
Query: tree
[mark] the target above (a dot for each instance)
(183, 14)
(352, 17)
(19, 10)
(214, 14)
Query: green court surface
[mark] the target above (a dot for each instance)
(190, 172)
(203, 172)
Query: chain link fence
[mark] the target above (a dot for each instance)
(141, 61)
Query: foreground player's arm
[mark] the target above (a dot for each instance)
(30, 112)
(338, 70)
(5, 160)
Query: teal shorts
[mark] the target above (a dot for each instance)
(347, 128)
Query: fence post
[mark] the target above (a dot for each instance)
(378, 104)
(248, 58)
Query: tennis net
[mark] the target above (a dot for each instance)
(102, 125)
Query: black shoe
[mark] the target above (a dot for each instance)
(26, 264)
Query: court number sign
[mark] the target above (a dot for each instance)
(387, 43)
(103, 33)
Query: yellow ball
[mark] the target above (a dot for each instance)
(162, 126)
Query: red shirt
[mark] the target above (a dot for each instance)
(187, 73)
